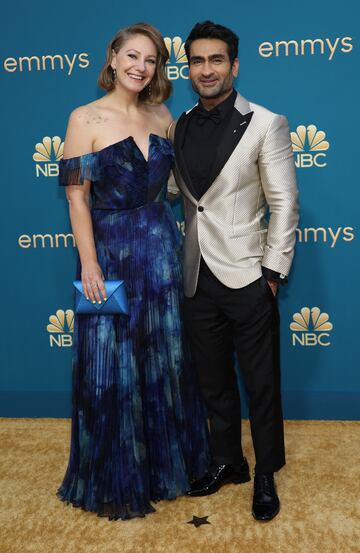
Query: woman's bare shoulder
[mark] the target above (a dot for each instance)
(159, 110)
(161, 114)
(89, 114)
(80, 131)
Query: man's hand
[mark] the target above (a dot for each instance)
(274, 286)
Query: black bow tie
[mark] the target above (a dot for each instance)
(202, 116)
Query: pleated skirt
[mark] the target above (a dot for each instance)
(139, 432)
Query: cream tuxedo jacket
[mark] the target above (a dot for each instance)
(253, 172)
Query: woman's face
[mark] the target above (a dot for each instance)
(135, 63)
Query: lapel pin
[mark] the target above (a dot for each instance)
(234, 130)
(243, 123)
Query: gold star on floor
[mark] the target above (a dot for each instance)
(198, 521)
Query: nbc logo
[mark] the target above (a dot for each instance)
(309, 145)
(177, 55)
(181, 227)
(48, 153)
(311, 327)
(60, 328)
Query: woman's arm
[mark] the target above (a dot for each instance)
(79, 141)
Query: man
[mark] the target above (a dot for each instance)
(233, 163)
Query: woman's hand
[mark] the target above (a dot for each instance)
(92, 279)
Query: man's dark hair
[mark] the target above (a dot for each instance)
(208, 29)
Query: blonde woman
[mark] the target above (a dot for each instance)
(138, 431)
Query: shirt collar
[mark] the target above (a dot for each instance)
(223, 108)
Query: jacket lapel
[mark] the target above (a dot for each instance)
(235, 129)
(179, 137)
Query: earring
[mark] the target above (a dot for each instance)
(113, 74)
(149, 90)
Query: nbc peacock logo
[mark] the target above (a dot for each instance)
(60, 328)
(311, 327)
(309, 145)
(181, 226)
(47, 155)
(177, 66)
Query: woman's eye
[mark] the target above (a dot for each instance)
(133, 56)
(152, 62)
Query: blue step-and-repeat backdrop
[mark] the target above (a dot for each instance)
(300, 59)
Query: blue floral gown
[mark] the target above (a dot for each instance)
(138, 428)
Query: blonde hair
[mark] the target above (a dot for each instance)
(160, 87)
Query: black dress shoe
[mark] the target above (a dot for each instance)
(222, 474)
(266, 504)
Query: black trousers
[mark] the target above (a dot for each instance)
(220, 321)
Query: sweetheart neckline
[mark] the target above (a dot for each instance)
(130, 137)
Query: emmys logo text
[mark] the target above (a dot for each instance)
(309, 145)
(42, 241)
(48, 62)
(177, 66)
(47, 155)
(60, 328)
(326, 47)
(311, 328)
(332, 236)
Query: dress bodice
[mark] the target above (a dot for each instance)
(120, 176)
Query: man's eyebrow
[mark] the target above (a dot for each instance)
(212, 56)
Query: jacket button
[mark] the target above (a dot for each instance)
(200, 208)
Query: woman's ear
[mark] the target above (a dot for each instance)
(113, 56)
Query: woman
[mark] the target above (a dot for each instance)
(138, 432)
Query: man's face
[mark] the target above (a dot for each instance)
(211, 73)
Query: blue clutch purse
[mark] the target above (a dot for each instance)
(115, 304)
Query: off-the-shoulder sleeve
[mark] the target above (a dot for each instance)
(74, 170)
